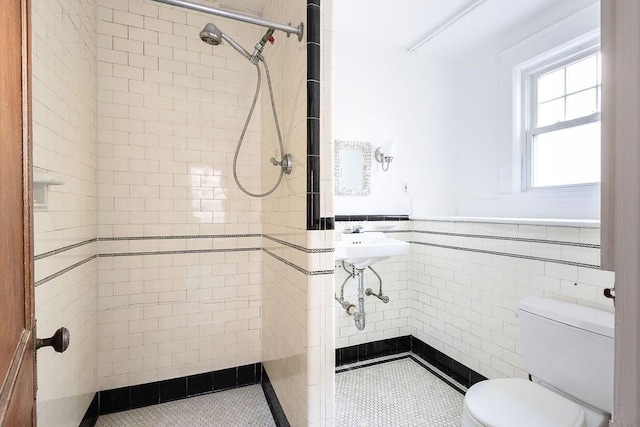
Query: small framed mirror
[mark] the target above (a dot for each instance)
(352, 168)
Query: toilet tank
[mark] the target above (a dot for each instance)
(570, 348)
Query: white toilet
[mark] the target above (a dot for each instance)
(568, 349)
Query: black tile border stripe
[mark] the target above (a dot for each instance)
(65, 270)
(314, 70)
(513, 239)
(277, 411)
(186, 236)
(64, 249)
(180, 252)
(298, 247)
(506, 254)
(141, 395)
(183, 252)
(348, 218)
(408, 344)
(300, 269)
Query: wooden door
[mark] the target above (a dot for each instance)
(17, 354)
(621, 195)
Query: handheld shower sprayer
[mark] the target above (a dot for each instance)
(212, 35)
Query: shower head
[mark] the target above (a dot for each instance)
(212, 35)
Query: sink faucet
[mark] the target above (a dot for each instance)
(355, 229)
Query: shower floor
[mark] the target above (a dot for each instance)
(245, 406)
(396, 392)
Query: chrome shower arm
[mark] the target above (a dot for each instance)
(289, 29)
(236, 46)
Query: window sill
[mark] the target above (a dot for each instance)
(582, 223)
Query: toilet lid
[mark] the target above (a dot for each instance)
(513, 402)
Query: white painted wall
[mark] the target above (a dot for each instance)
(381, 94)
(452, 119)
(485, 99)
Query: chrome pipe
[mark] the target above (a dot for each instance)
(289, 29)
(369, 291)
(237, 47)
(359, 316)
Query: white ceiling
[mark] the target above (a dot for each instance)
(401, 23)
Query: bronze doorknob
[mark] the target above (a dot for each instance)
(59, 341)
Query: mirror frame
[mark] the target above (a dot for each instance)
(342, 190)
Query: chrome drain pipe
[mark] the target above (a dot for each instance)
(359, 316)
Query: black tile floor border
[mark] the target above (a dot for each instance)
(138, 396)
(441, 377)
(91, 416)
(272, 400)
(388, 347)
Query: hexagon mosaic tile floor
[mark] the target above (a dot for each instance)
(396, 393)
(245, 406)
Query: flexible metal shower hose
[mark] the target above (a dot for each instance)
(246, 125)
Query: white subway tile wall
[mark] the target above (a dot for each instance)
(64, 128)
(463, 303)
(326, 98)
(284, 211)
(171, 109)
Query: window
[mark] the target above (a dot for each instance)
(562, 120)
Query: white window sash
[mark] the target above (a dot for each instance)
(530, 98)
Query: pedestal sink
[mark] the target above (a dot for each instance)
(364, 249)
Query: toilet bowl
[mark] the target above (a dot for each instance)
(517, 402)
(569, 351)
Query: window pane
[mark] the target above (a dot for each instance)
(551, 85)
(551, 112)
(582, 104)
(582, 75)
(567, 156)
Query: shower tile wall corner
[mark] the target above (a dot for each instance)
(180, 265)
(66, 271)
(298, 327)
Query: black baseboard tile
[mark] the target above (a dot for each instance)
(371, 350)
(392, 346)
(91, 416)
(272, 399)
(114, 400)
(138, 396)
(173, 389)
(145, 395)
